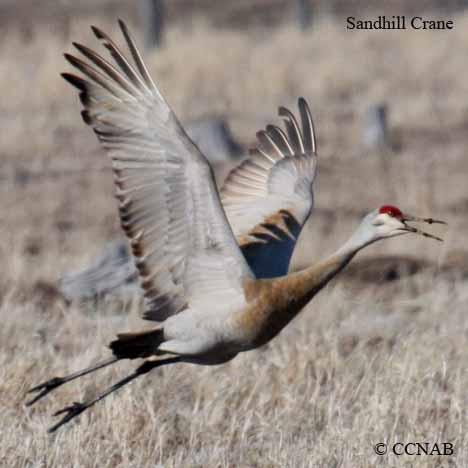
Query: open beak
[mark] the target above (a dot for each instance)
(416, 219)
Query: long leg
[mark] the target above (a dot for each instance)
(78, 408)
(46, 387)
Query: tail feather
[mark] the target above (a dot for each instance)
(137, 345)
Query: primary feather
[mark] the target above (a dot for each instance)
(269, 196)
(184, 248)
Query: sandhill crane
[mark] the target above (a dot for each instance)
(197, 284)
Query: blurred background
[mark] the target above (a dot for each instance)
(391, 115)
(388, 107)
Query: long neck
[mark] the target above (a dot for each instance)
(304, 284)
(279, 300)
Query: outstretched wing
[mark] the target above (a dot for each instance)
(269, 196)
(170, 210)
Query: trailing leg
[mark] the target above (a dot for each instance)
(46, 387)
(126, 346)
(78, 408)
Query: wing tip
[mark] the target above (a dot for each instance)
(308, 127)
(124, 28)
(75, 61)
(85, 115)
(97, 32)
(283, 112)
(74, 80)
(69, 57)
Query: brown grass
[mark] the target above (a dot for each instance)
(386, 363)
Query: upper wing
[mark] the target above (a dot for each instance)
(267, 246)
(269, 196)
(183, 246)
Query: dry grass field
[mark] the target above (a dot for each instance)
(367, 362)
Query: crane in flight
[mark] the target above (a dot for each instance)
(204, 293)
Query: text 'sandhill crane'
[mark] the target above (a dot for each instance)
(197, 283)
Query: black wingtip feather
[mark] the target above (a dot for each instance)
(86, 51)
(122, 24)
(81, 48)
(97, 32)
(85, 99)
(86, 117)
(124, 29)
(72, 60)
(283, 112)
(75, 81)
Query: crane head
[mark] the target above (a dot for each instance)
(390, 221)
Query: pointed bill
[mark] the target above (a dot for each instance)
(417, 219)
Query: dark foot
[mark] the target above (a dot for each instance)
(71, 412)
(44, 389)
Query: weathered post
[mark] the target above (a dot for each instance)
(152, 16)
(375, 130)
(376, 139)
(304, 14)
